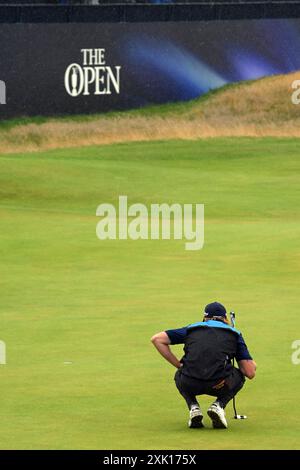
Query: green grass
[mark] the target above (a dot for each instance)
(66, 296)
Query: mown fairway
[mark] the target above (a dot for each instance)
(66, 296)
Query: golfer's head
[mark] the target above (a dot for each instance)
(215, 311)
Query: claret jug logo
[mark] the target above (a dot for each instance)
(93, 76)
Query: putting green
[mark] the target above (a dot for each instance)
(77, 313)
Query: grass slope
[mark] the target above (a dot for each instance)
(252, 108)
(67, 297)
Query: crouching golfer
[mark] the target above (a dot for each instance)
(209, 347)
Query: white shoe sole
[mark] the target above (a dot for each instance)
(217, 422)
(196, 421)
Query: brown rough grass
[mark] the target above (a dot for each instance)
(257, 109)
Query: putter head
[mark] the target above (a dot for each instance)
(240, 417)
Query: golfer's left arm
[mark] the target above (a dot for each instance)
(162, 343)
(248, 368)
(245, 362)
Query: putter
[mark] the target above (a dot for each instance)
(236, 416)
